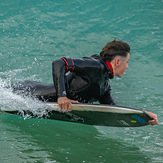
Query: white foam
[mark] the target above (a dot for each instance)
(10, 101)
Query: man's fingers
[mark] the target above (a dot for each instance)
(75, 101)
(69, 106)
(154, 122)
(65, 103)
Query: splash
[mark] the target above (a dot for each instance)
(12, 102)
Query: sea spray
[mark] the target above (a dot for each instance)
(10, 102)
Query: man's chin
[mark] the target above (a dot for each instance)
(120, 75)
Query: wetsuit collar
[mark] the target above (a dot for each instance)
(111, 68)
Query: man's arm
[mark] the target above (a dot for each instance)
(107, 97)
(59, 69)
(58, 72)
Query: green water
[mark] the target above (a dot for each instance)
(34, 33)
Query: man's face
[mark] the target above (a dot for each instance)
(122, 66)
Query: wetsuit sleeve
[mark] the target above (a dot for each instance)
(59, 68)
(107, 98)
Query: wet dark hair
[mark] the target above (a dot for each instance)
(113, 49)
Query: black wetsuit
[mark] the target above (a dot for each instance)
(87, 81)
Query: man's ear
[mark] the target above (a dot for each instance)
(116, 61)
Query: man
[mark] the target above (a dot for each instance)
(87, 80)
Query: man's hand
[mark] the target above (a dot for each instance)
(65, 103)
(154, 116)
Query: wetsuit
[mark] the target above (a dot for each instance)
(85, 80)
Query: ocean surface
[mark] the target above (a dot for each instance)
(33, 33)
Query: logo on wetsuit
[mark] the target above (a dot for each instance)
(64, 93)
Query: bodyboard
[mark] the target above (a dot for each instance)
(96, 114)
